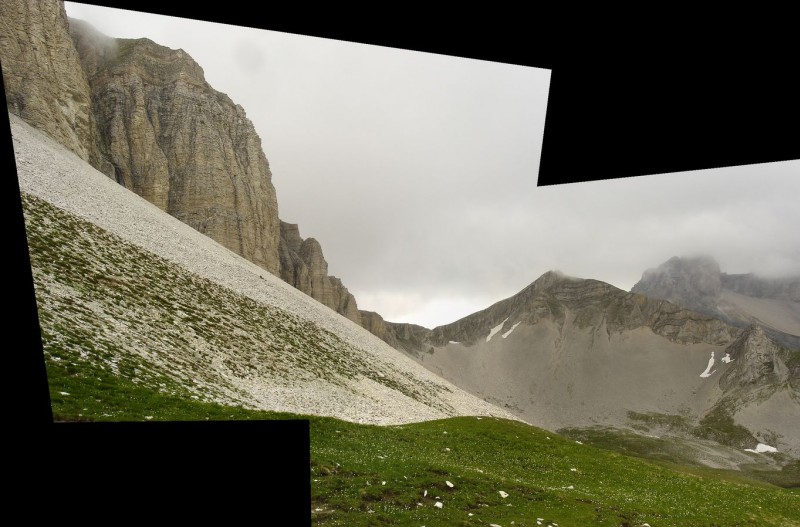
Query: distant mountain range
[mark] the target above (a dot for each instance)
(690, 351)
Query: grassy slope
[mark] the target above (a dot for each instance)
(481, 457)
(93, 377)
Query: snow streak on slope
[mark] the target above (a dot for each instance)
(495, 330)
(708, 372)
(507, 333)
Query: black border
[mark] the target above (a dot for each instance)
(627, 98)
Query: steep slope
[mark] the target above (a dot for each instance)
(128, 289)
(740, 299)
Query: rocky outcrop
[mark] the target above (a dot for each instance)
(303, 265)
(410, 338)
(180, 144)
(42, 74)
(758, 359)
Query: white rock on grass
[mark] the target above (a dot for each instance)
(449, 484)
(438, 505)
(503, 494)
(761, 448)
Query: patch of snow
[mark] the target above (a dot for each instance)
(708, 371)
(438, 505)
(495, 329)
(507, 333)
(761, 448)
(727, 358)
(503, 494)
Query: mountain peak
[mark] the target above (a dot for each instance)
(693, 281)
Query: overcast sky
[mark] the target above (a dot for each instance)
(417, 173)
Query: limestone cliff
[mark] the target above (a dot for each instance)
(43, 79)
(144, 115)
(180, 144)
(303, 265)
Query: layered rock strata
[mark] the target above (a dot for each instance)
(303, 265)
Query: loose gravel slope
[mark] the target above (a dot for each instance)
(124, 287)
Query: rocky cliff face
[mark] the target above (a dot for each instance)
(144, 115)
(759, 360)
(180, 144)
(303, 265)
(42, 74)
